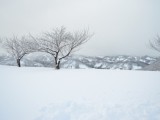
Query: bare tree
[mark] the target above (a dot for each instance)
(60, 43)
(155, 43)
(16, 47)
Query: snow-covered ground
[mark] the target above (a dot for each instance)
(30, 93)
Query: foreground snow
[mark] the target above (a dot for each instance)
(46, 94)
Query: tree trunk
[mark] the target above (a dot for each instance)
(18, 63)
(58, 65)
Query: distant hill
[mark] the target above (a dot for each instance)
(154, 66)
(82, 62)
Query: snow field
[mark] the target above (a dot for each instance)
(29, 93)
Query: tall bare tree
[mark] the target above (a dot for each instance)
(155, 43)
(60, 43)
(17, 47)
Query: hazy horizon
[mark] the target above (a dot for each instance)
(120, 27)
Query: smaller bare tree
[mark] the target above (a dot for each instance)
(60, 43)
(17, 48)
(155, 43)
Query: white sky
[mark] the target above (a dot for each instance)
(120, 26)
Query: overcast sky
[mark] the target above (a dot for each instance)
(121, 27)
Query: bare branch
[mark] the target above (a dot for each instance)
(155, 43)
(60, 43)
(16, 47)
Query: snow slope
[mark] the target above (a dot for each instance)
(30, 93)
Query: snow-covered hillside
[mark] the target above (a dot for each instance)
(154, 66)
(77, 61)
(30, 93)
